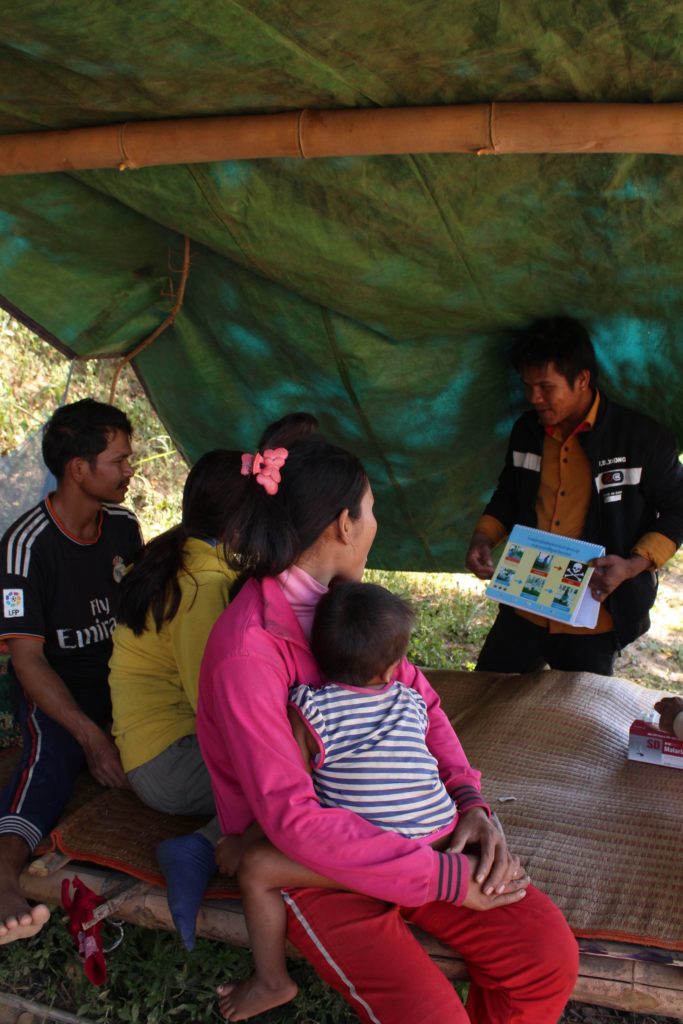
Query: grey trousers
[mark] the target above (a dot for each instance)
(177, 781)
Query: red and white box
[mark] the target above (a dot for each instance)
(648, 743)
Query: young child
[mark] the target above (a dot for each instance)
(363, 738)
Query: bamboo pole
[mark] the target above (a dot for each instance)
(37, 1013)
(480, 128)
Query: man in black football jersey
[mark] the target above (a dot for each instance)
(60, 567)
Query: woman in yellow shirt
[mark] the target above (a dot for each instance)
(170, 598)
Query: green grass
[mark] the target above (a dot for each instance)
(451, 618)
(151, 979)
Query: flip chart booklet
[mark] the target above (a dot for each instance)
(547, 574)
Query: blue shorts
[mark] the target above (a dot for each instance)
(42, 784)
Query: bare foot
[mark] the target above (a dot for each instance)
(238, 1002)
(18, 920)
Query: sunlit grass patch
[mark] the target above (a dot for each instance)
(453, 616)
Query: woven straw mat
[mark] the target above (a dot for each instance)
(603, 836)
(117, 830)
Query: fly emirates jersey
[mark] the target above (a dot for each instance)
(64, 591)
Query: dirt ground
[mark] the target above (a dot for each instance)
(656, 659)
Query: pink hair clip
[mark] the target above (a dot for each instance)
(266, 468)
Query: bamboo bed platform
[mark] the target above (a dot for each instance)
(602, 835)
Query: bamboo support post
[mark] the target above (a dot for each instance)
(607, 980)
(479, 128)
(630, 985)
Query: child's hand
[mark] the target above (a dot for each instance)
(511, 891)
(669, 708)
(229, 851)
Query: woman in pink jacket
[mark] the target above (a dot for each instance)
(306, 519)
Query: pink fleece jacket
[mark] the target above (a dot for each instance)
(255, 652)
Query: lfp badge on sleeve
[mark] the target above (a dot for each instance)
(12, 603)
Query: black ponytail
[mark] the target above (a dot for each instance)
(151, 585)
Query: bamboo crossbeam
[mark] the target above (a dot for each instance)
(480, 128)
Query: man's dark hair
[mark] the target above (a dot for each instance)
(81, 430)
(561, 340)
(359, 630)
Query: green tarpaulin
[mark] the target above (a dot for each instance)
(374, 291)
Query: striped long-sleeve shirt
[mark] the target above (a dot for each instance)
(373, 758)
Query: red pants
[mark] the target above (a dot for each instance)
(522, 959)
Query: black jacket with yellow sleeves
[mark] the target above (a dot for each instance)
(637, 489)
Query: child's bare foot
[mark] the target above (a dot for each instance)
(238, 1002)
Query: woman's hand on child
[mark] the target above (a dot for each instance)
(511, 891)
(495, 866)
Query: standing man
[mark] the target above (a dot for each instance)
(579, 465)
(60, 567)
